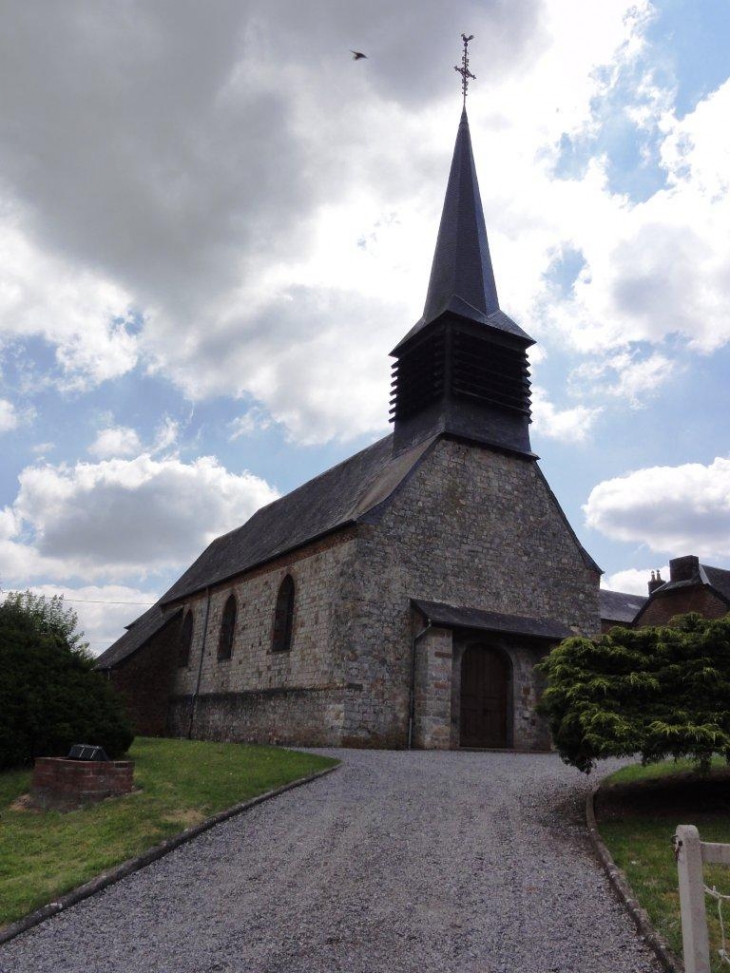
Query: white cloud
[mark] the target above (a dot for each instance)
(275, 246)
(634, 581)
(623, 376)
(121, 518)
(80, 312)
(115, 441)
(568, 425)
(670, 509)
(662, 266)
(254, 420)
(8, 416)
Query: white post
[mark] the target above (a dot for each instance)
(695, 941)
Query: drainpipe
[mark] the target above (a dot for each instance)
(412, 692)
(200, 664)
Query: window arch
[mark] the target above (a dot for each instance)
(228, 626)
(283, 616)
(186, 640)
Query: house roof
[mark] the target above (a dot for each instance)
(703, 574)
(719, 579)
(620, 606)
(454, 616)
(462, 277)
(139, 632)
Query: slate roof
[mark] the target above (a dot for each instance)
(344, 494)
(462, 277)
(716, 578)
(453, 616)
(620, 606)
(719, 579)
(340, 496)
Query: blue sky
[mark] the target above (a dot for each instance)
(214, 226)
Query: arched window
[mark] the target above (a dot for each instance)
(186, 640)
(228, 625)
(283, 616)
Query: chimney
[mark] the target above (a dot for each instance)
(656, 582)
(684, 568)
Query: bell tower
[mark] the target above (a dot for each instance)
(463, 368)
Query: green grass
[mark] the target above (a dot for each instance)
(179, 784)
(638, 810)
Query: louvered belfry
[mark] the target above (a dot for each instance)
(463, 368)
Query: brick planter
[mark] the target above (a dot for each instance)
(58, 782)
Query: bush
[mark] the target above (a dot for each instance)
(50, 695)
(658, 692)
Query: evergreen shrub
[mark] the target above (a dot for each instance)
(657, 692)
(50, 695)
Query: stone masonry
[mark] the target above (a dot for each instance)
(470, 526)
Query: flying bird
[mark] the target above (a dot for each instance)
(356, 55)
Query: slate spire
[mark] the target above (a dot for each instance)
(462, 278)
(462, 369)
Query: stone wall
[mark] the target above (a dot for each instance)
(434, 662)
(470, 527)
(145, 678)
(303, 717)
(258, 694)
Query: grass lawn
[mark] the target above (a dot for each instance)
(638, 810)
(179, 783)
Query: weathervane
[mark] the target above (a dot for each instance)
(464, 69)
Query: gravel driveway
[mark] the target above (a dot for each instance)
(421, 862)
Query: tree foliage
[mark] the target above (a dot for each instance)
(50, 616)
(659, 692)
(50, 695)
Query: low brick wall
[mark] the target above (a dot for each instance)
(61, 782)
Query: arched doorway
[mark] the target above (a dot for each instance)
(485, 697)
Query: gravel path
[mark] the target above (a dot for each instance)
(421, 862)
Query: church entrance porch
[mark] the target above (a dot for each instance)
(474, 679)
(486, 698)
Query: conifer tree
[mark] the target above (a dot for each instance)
(656, 692)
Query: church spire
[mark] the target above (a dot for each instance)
(462, 369)
(462, 278)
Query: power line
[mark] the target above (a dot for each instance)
(99, 601)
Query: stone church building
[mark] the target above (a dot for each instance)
(403, 597)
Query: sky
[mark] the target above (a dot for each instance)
(215, 225)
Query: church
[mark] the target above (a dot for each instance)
(402, 598)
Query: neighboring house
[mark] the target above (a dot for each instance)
(404, 596)
(692, 587)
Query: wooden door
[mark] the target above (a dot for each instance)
(485, 683)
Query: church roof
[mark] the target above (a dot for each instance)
(453, 616)
(620, 606)
(462, 277)
(139, 632)
(340, 496)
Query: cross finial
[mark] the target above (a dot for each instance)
(464, 69)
